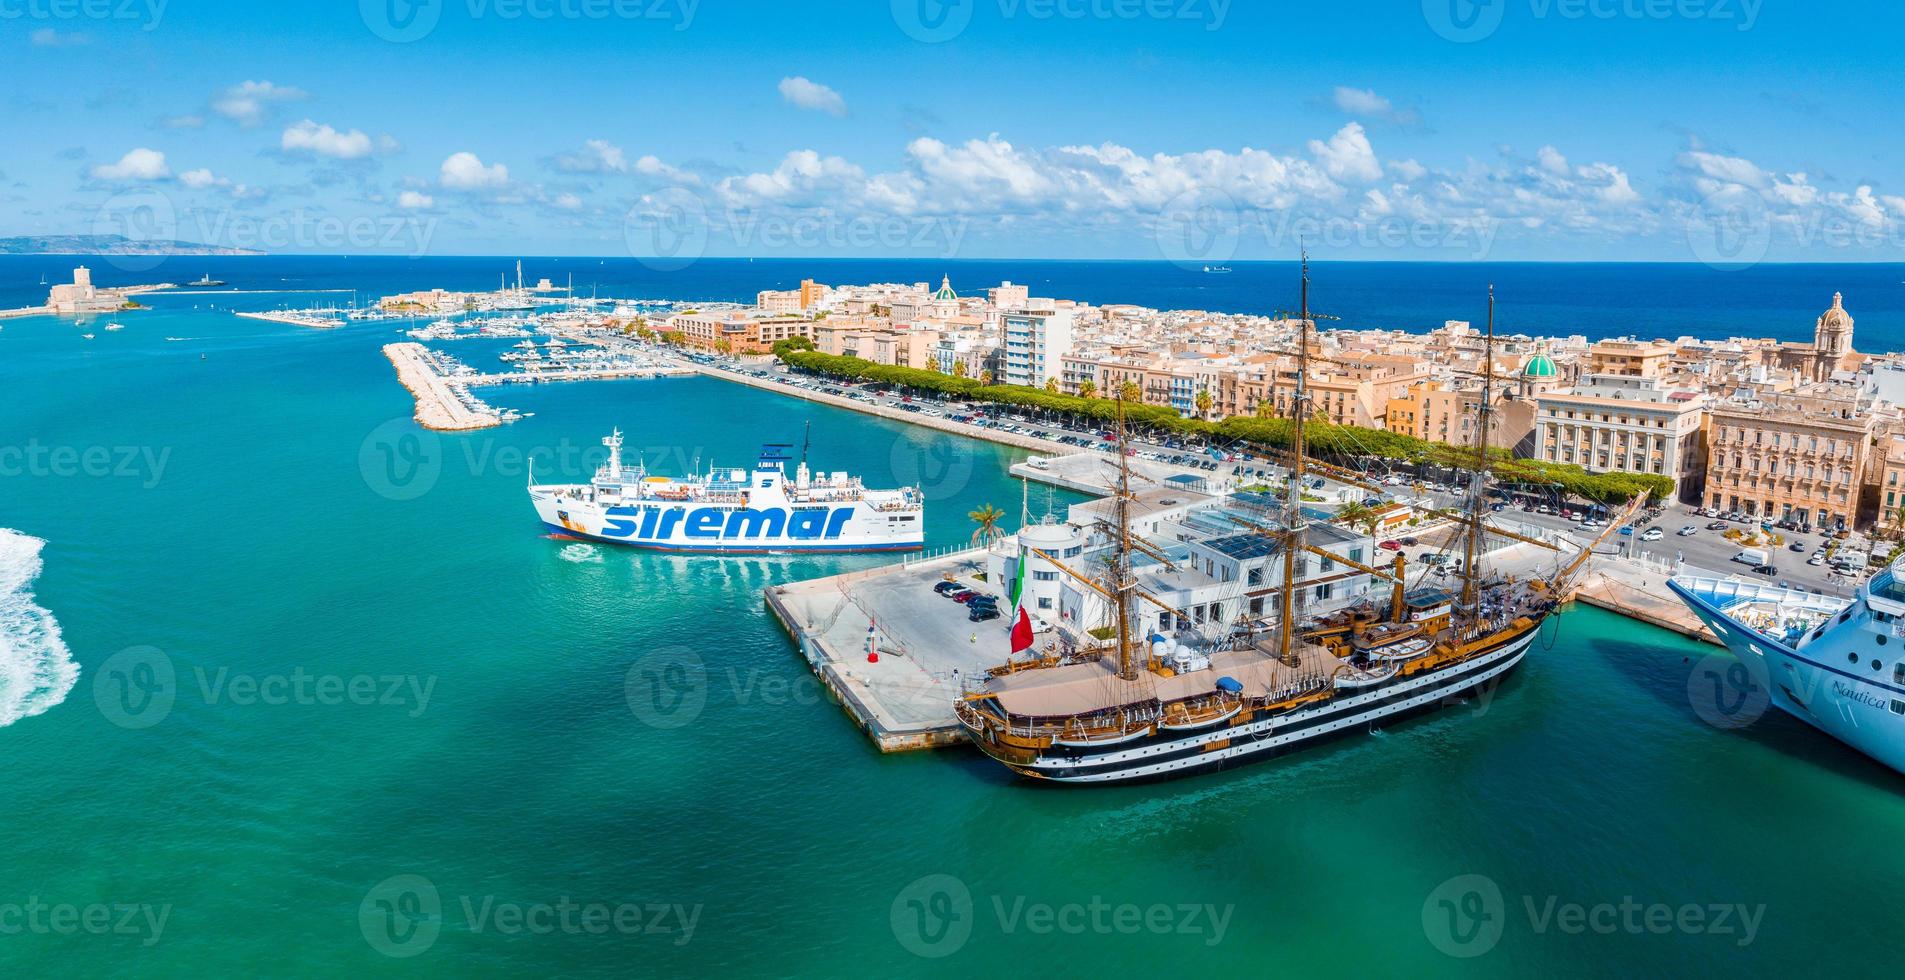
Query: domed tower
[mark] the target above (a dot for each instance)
(1540, 373)
(1832, 338)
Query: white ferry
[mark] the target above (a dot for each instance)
(1835, 664)
(732, 511)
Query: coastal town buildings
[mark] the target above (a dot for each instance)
(1791, 457)
(1626, 422)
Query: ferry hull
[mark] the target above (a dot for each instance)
(1828, 683)
(703, 529)
(1173, 754)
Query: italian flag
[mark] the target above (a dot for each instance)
(1021, 621)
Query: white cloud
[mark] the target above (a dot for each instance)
(1408, 170)
(202, 178)
(568, 202)
(184, 122)
(139, 164)
(1361, 101)
(412, 200)
(1551, 160)
(47, 37)
(799, 91)
(464, 172)
(652, 166)
(249, 102)
(323, 140)
(1348, 155)
(1366, 103)
(595, 157)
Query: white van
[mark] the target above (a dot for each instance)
(1752, 556)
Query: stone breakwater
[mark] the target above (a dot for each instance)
(439, 406)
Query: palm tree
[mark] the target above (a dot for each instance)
(1203, 402)
(959, 369)
(985, 377)
(1130, 392)
(1087, 389)
(1051, 386)
(1265, 410)
(1352, 514)
(988, 518)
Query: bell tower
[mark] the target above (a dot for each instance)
(1832, 338)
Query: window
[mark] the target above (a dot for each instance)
(1044, 603)
(1045, 576)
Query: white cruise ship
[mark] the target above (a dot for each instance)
(1837, 664)
(732, 511)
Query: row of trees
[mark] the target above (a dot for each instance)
(1351, 446)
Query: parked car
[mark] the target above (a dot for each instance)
(963, 595)
(1717, 526)
(1390, 546)
(1688, 531)
(1652, 534)
(1799, 546)
(983, 614)
(947, 588)
(1766, 570)
(1410, 542)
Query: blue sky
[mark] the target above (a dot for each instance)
(1197, 130)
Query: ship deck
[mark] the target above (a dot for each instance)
(1081, 688)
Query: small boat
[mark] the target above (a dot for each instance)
(86, 336)
(115, 326)
(205, 282)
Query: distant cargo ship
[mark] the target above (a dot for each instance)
(205, 282)
(733, 511)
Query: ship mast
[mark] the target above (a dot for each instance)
(1293, 494)
(1122, 584)
(1472, 545)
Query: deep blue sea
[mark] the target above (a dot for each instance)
(1596, 299)
(204, 528)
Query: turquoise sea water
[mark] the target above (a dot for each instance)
(320, 681)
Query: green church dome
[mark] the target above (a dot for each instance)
(1540, 366)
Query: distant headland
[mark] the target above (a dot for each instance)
(109, 245)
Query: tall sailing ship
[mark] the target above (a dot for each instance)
(1148, 707)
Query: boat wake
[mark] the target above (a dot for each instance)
(36, 668)
(581, 553)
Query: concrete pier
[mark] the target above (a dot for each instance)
(925, 643)
(438, 407)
